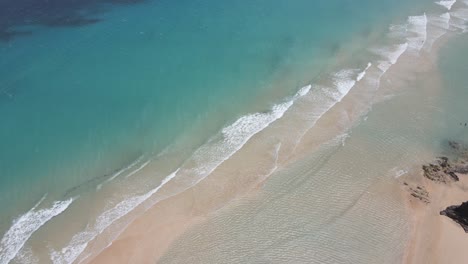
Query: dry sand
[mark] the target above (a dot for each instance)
(437, 238)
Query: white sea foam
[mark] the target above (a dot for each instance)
(142, 166)
(417, 25)
(80, 241)
(442, 21)
(24, 226)
(325, 98)
(344, 82)
(232, 138)
(303, 91)
(120, 172)
(459, 19)
(390, 55)
(458, 24)
(461, 13)
(206, 159)
(363, 73)
(438, 26)
(275, 165)
(398, 31)
(26, 255)
(400, 173)
(447, 3)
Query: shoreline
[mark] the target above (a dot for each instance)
(188, 209)
(154, 230)
(435, 238)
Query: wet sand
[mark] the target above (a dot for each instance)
(434, 238)
(437, 238)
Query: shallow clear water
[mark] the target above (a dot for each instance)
(343, 204)
(128, 100)
(78, 103)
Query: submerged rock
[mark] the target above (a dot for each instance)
(445, 170)
(459, 149)
(440, 171)
(459, 214)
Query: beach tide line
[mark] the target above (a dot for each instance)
(120, 172)
(418, 26)
(233, 138)
(447, 3)
(80, 241)
(325, 97)
(24, 227)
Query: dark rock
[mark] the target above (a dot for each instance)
(454, 145)
(440, 171)
(453, 175)
(459, 150)
(420, 193)
(444, 170)
(459, 214)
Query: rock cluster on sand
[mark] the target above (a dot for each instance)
(420, 193)
(459, 214)
(440, 171)
(444, 170)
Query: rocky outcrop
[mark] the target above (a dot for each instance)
(459, 214)
(459, 149)
(418, 192)
(445, 169)
(441, 171)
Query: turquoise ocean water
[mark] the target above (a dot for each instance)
(91, 105)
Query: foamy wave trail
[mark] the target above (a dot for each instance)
(447, 3)
(232, 138)
(398, 31)
(142, 166)
(80, 241)
(417, 25)
(459, 19)
(439, 25)
(275, 164)
(120, 172)
(325, 98)
(26, 255)
(363, 73)
(24, 226)
(461, 13)
(390, 55)
(206, 159)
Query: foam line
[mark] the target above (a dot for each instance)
(363, 73)
(233, 137)
(447, 3)
(417, 25)
(24, 227)
(325, 98)
(439, 25)
(142, 166)
(391, 56)
(120, 172)
(80, 241)
(206, 159)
